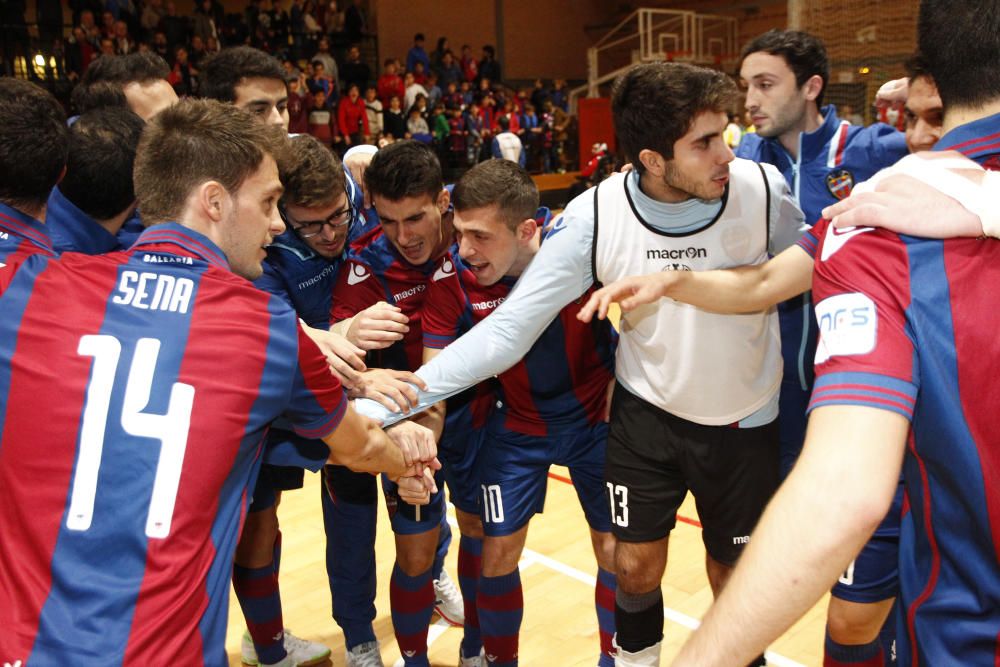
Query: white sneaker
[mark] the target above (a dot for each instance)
(365, 655)
(448, 600)
(474, 661)
(301, 652)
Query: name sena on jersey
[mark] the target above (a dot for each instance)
(154, 291)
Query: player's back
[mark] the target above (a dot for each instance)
(953, 472)
(21, 236)
(134, 392)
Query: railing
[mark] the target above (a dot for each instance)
(650, 35)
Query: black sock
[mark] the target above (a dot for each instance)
(638, 619)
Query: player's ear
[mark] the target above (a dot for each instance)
(527, 230)
(443, 200)
(652, 161)
(212, 200)
(813, 86)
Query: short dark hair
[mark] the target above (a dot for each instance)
(963, 54)
(419, 37)
(499, 183)
(404, 169)
(489, 50)
(312, 174)
(916, 67)
(102, 145)
(196, 141)
(222, 72)
(804, 53)
(103, 83)
(135, 67)
(98, 95)
(654, 104)
(34, 141)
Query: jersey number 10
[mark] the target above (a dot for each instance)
(171, 429)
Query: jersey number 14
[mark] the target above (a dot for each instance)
(171, 429)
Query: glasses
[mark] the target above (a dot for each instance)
(309, 228)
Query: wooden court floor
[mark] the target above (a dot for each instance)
(557, 572)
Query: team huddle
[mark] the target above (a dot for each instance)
(198, 307)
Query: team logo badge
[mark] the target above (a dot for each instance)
(840, 183)
(357, 274)
(447, 268)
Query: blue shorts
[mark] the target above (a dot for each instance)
(459, 458)
(407, 519)
(514, 475)
(874, 575)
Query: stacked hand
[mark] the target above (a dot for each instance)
(393, 389)
(378, 326)
(420, 454)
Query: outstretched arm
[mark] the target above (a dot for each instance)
(744, 289)
(817, 522)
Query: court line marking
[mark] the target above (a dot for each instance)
(530, 557)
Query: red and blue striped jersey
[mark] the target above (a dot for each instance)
(561, 383)
(909, 325)
(375, 272)
(21, 236)
(135, 391)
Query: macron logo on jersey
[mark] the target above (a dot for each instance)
(357, 274)
(836, 238)
(848, 325)
(447, 269)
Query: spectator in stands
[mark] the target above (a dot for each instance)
(203, 22)
(410, 90)
(352, 119)
(80, 52)
(182, 76)
(557, 123)
(160, 46)
(354, 70)
(390, 83)
(373, 109)
(449, 70)
(416, 54)
(329, 64)
(416, 126)
(197, 52)
(419, 73)
(394, 121)
(355, 22)
(174, 27)
(434, 94)
(506, 145)
(319, 81)
(152, 13)
(320, 119)
(439, 125)
(465, 93)
(299, 102)
(560, 95)
(489, 68)
(470, 68)
(124, 44)
(437, 55)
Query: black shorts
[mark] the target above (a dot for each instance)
(655, 458)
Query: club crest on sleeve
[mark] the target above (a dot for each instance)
(840, 182)
(357, 274)
(848, 325)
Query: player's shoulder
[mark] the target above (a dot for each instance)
(751, 146)
(882, 142)
(851, 248)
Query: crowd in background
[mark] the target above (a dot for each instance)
(454, 100)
